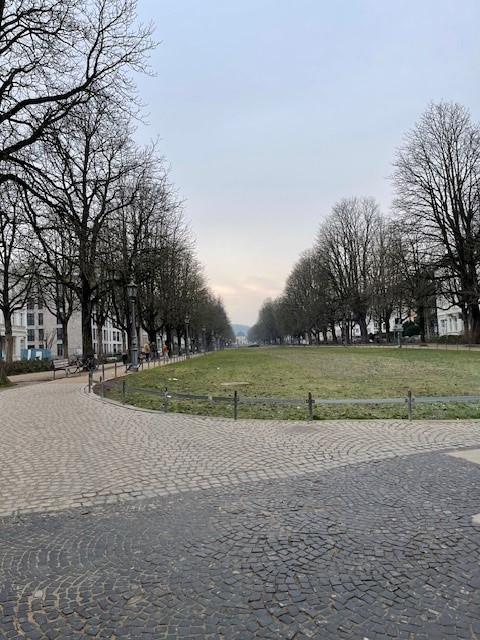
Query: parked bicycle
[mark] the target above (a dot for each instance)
(84, 363)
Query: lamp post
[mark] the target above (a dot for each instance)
(187, 347)
(132, 296)
(204, 344)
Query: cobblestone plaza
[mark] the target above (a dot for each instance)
(121, 523)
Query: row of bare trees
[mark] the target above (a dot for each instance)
(83, 209)
(367, 266)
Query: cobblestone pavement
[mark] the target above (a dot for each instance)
(119, 523)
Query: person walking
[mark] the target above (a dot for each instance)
(153, 350)
(146, 351)
(165, 352)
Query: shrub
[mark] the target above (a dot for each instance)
(28, 366)
(451, 339)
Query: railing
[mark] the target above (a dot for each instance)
(143, 363)
(235, 400)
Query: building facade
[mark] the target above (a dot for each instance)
(19, 334)
(449, 319)
(44, 331)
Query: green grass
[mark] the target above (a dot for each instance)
(325, 372)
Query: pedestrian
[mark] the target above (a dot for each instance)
(124, 357)
(153, 350)
(165, 352)
(146, 351)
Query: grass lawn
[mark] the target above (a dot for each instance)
(326, 372)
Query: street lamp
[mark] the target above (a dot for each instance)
(187, 349)
(132, 296)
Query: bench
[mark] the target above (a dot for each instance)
(61, 364)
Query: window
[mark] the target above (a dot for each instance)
(31, 335)
(30, 319)
(30, 304)
(59, 333)
(40, 319)
(60, 350)
(40, 303)
(41, 335)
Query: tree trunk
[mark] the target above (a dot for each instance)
(362, 323)
(475, 324)
(8, 339)
(65, 336)
(422, 323)
(3, 372)
(87, 342)
(99, 340)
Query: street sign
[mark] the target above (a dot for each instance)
(399, 327)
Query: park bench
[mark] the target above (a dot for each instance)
(61, 364)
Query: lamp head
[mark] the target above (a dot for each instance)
(132, 290)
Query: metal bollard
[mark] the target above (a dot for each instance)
(235, 405)
(410, 400)
(310, 406)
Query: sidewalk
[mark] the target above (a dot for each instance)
(120, 523)
(108, 371)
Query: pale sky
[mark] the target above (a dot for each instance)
(270, 111)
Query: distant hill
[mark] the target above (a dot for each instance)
(237, 328)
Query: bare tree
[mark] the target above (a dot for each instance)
(54, 283)
(55, 56)
(266, 328)
(419, 279)
(437, 173)
(346, 242)
(388, 274)
(306, 298)
(16, 266)
(86, 161)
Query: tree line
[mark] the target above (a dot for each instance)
(367, 265)
(84, 209)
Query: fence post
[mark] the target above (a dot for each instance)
(165, 400)
(123, 391)
(102, 391)
(409, 404)
(103, 370)
(235, 404)
(310, 406)
(115, 368)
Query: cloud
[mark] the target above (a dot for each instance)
(244, 296)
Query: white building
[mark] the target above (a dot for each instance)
(449, 319)
(19, 334)
(44, 331)
(241, 339)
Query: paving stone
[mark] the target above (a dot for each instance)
(141, 525)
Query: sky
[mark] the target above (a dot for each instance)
(271, 111)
